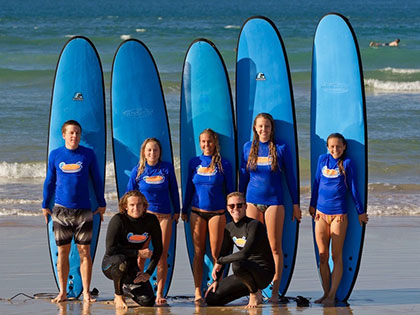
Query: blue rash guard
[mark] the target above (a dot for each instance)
(329, 187)
(207, 188)
(157, 183)
(262, 185)
(68, 177)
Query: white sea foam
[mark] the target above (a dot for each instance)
(140, 30)
(236, 27)
(400, 71)
(69, 36)
(125, 37)
(393, 86)
(35, 170)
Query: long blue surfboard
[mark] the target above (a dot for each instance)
(263, 84)
(338, 105)
(138, 112)
(78, 94)
(206, 102)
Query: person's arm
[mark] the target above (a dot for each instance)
(243, 171)
(247, 250)
(286, 164)
(173, 189)
(189, 189)
(351, 179)
(49, 188)
(227, 172)
(156, 234)
(132, 181)
(227, 247)
(98, 184)
(315, 188)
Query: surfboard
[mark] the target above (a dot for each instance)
(338, 105)
(206, 102)
(263, 84)
(78, 94)
(138, 112)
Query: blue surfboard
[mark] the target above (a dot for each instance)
(138, 112)
(78, 94)
(206, 102)
(338, 105)
(263, 84)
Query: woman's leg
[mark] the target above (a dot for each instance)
(274, 220)
(199, 232)
(253, 212)
(216, 232)
(166, 227)
(338, 230)
(322, 237)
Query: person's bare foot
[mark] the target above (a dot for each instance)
(199, 301)
(88, 298)
(120, 303)
(61, 297)
(321, 299)
(329, 301)
(160, 300)
(253, 300)
(259, 297)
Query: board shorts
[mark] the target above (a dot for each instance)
(72, 222)
(206, 215)
(329, 218)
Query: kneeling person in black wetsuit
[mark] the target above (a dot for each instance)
(128, 232)
(252, 265)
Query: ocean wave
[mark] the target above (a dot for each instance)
(35, 170)
(140, 30)
(400, 71)
(393, 86)
(235, 27)
(125, 37)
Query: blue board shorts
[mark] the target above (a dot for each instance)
(72, 222)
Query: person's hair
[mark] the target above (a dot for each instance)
(253, 153)
(142, 160)
(70, 123)
(235, 194)
(341, 158)
(122, 205)
(216, 158)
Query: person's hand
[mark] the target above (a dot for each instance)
(101, 211)
(212, 288)
(312, 212)
(144, 253)
(363, 218)
(217, 267)
(141, 277)
(184, 217)
(297, 213)
(45, 213)
(176, 218)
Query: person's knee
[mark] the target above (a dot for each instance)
(145, 300)
(336, 257)
(323, 258)
(84, 251)
(213, 299)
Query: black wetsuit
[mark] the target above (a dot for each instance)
(252, 265)
(125, 236)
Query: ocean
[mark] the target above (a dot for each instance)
(32, 34)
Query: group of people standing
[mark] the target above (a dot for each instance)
(151, 204)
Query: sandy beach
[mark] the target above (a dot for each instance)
(388, 282)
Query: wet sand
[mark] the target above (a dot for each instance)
(388, 282)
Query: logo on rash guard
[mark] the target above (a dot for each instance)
(136, 238)
(206, 171)
(240, 242)
(154, 180)
(264, 160)
(70, 168)
(330, 173)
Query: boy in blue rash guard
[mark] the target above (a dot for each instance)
(263, 160)
(157, 181)
(209, 181)
(335, 175)
(69, 169)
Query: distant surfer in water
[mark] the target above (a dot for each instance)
(157, 181)
(335, 175)
(128, 234)
(209, 181)
(263, 161)
(252, 266)
(69, 169)
(394, 43)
